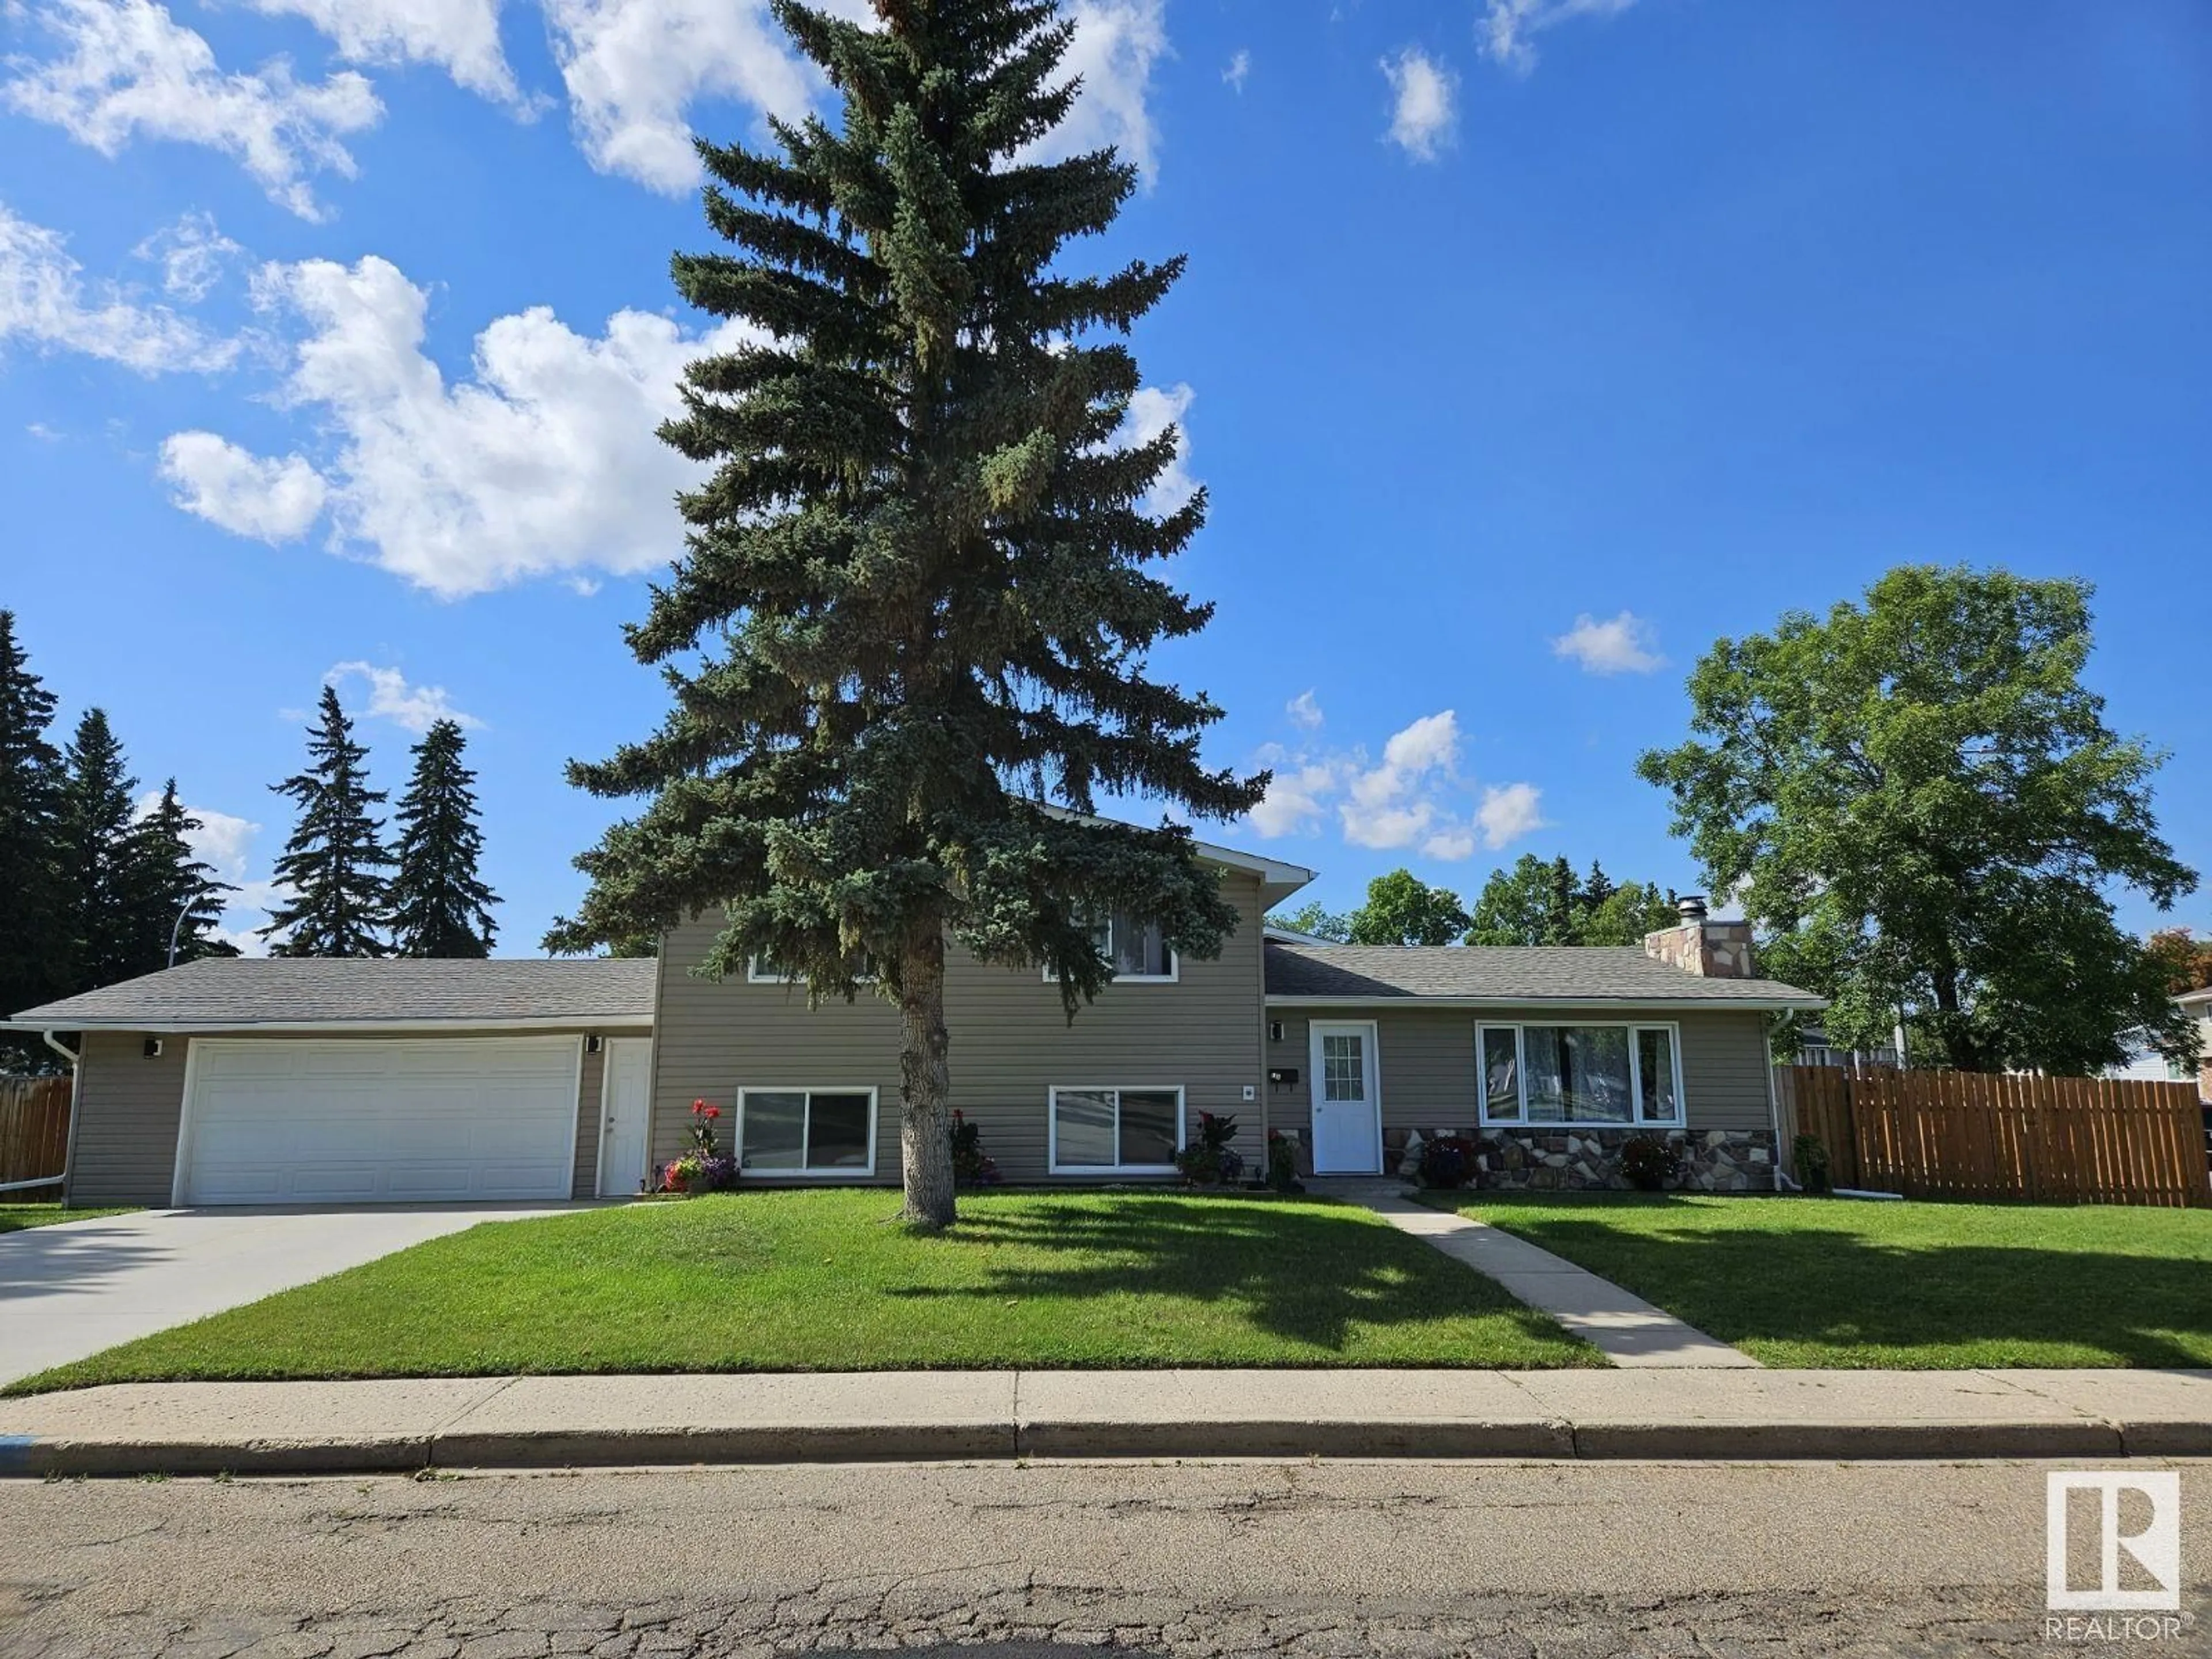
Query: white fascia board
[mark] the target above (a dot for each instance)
(1574, 1005)
(335, 1027)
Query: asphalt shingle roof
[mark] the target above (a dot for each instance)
(242, 992)
(1387, 973)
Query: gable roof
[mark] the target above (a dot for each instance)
(1480, 975)
(322, 994)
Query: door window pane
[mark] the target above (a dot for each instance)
(1083, 1123)
(1343, 1065)
(1148, 1128)
(1501, 1073)
(837, 1132)
(1578, 1074)
(1655, 1061)
(775, 1131)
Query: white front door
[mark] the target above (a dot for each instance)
(625, 1117)
(1347, 1099)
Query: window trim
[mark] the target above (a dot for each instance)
(805, 1172)
(1053, 1091)
(1681, 1121)
(1173, 976)
(756, 975)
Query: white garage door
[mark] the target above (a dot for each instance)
(379, 1120)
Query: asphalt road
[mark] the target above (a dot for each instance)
(1400, 1560)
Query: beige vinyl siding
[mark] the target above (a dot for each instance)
(129, 1110)
(1010, 1043)
(1428, 1064)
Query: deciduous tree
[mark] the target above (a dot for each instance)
(1403, 909)
(914, 614)
(1921, 805)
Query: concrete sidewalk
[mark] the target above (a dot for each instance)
(560, 1422)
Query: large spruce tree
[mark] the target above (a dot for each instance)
(914, 613)
(30, 886)
(96, 847)
(173, 894)
(332, 868)
(440, 906)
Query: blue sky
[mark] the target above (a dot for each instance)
(1527, 347)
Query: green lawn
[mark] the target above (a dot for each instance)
(1842, 1282)
(14, 1217)
(822, 1280)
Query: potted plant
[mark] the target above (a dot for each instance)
(703, 1169)
(1210, 1160)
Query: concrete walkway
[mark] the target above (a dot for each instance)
(1625, 1328)
(552, 1422)
(69, 1290)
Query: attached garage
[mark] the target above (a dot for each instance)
(316, 1081)
(369, 1121)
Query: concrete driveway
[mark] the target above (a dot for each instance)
(69, 1290)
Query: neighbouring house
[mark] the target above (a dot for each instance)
(319, 1081)
(2144, 1064)
(2199, 1003)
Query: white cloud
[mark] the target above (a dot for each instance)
(130, 68)
(459, 36)
(270, 501)
(1510, 811)
(1152, 412)
(1626, 644)
(1450, 844)
(45, 300)
(193, 255)
(632, 67)
(1509, 27)
(1425, 95)
(543, 462)
(1386, 826)
(1305, 711)
(1430, 744)
(1240, 68)
(1116, 44)
(413, 707)
(1294, 800)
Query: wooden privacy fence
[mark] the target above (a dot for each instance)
(1971, 1134)
(35, 1113)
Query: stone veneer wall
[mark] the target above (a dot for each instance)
(1711, 950)
(1573, 1160)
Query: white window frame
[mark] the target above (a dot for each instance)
(807, 1172)
(756, 975)
(1679, 1120)
(1173, 975)
(1117, 1089)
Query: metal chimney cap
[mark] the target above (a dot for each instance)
(1691, 907)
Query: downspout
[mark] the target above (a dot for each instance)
(76, 1086)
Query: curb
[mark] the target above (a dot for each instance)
(35, 1457)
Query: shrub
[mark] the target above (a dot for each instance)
(1447, 1161)
(971, 1165)
(1210, 1160)
(1650, 1163)
(1283, 1163)
(1814, 1173)
(700, 1172)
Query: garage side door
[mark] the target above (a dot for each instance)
(378, 1120)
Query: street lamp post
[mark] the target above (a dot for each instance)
(184, 910)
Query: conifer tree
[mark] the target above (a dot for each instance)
(440, 906)
(333, 866)
(96, 844)
(918, 594)
(173, 893)
(30, 887)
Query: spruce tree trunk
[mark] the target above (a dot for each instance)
(926, 1085)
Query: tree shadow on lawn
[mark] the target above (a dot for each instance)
(1301, 1271)
(1831, 1287)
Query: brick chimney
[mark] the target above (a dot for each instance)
(1700, 946)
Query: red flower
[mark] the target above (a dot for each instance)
(714, 1111)
(698, 1105)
